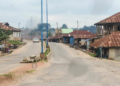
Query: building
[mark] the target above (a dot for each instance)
(107, 44)
(16, 33)
(108, 25)
(62, 31)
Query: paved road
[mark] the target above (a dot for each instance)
(70, 67)
(13, 60)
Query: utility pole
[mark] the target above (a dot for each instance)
(19, 26)
(42, 29)
(47, 19)
(77, 30)
(58, 31)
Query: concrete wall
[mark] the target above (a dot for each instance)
(15, 36)
(112, 53)
(117, 54)
(58, 31)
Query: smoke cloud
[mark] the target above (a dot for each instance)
(33, 23)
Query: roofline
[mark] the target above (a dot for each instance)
(106, 23)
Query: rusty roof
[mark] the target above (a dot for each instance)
(53, 37)
(6, 27)
(82, 34)
(112, 40)
(112, 19)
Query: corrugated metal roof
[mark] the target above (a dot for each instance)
(82, 34)
(64, 31)
(112, 19)
(112, 40)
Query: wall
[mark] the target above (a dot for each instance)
(112, 53)
(15, 36)
(58, 31)
(83, 41)
(117, 54)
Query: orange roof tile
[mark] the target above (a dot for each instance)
(112, 40)
(112, 19)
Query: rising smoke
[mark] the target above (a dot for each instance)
(32, 23)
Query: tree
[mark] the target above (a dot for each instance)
(44, 26)
(64, 26)
(4, 34)
(49, 34)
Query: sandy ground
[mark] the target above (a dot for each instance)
(20, 72)
(70, 67)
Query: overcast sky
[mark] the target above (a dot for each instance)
(87, 12)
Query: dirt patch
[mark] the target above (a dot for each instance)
(14, 75)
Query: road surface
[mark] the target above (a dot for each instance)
(13, 60)
(70, 67)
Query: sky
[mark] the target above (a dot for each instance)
(87, 12)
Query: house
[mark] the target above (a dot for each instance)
(82, 38)
(107, 44)
(16, 33)
(108, 25)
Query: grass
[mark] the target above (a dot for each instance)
(31, 71)
(15, 42)
(46, 53)
(93, 55)
(9, 75)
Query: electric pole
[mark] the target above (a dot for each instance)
(47, 19)
(41, 26)
(58, 31)
(19, 26)
(77, 30)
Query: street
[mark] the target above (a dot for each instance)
(70, 67)
(13, 60)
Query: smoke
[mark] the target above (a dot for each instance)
(33, 23)
(101, 6)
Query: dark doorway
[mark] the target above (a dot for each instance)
(119, 28)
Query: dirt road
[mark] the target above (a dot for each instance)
(70, 67)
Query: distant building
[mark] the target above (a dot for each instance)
(63, 31)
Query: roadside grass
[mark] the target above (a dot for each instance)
(31, 71)
(15, 42)
(9, 75)
(46, 53)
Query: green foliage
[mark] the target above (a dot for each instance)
(4, 34)
(31, 71)
(15, 42)
(92, 29)
(46, 53)
(93, 55)
(49, 34)
(9, 75)
(64, 26)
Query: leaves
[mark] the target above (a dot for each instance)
(4, 34)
